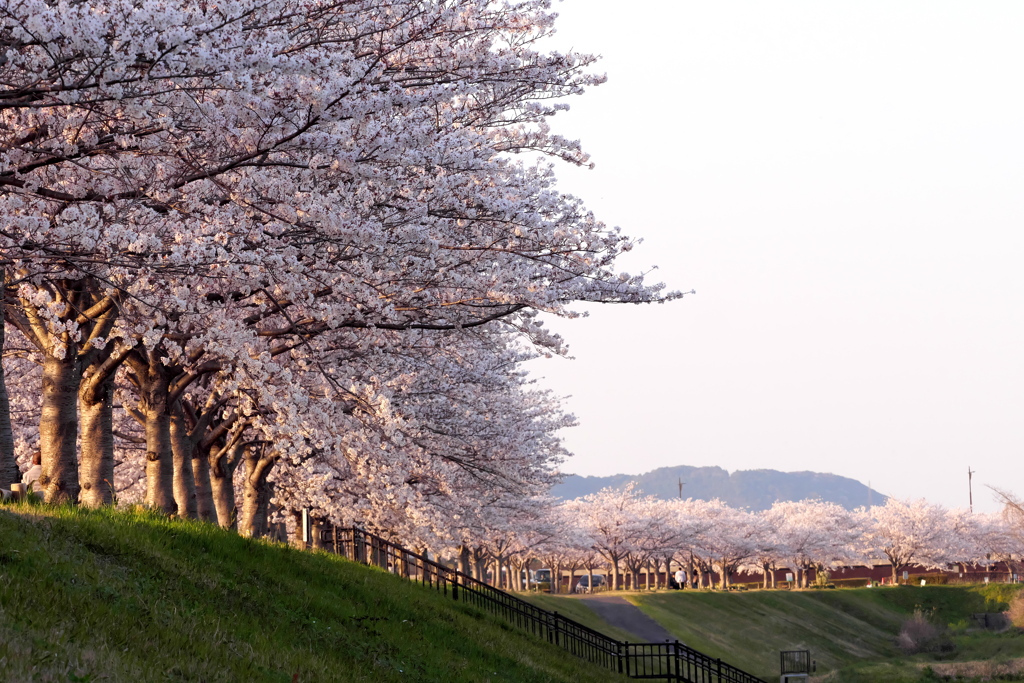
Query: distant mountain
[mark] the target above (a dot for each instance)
(752, 489)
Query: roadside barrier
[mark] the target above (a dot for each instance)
(668, 661)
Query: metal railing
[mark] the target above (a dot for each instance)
(669, 661)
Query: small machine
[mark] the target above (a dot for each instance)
(797, 665)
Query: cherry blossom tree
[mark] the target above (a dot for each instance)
(906, 531)
(812, 534)
(350, 172)
(613, 523)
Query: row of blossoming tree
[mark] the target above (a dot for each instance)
(620, 532)
(279, 255)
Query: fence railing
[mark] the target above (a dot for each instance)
(669, 661)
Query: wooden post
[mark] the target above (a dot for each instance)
(18, 491)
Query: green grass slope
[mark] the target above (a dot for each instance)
(850, 632)
(128, 596)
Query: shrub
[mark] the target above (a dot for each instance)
(921, 634)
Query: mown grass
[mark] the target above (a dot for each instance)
(130, 596)
(850, 632)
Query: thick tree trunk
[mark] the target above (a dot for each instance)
(616, 577)
(252, 522)
(205, 509)
(58, 427)
(153, 383)
(464, 559)
(317, 530)
(222, 484)
(9, 472)
(159, 461)
(183, 483)
(96, 471)
(479, 562)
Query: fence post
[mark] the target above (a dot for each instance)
(556, 628)
(455, 585)
(676, 673)
(719, 670)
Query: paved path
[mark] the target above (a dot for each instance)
(623, 614)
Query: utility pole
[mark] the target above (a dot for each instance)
(681, 482)
(970, 488)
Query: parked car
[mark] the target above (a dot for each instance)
(584, 583)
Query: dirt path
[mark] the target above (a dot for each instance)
(627, 616)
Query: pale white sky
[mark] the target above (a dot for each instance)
(843, 185)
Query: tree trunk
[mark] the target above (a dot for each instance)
(616, 576)
(205, 509)
(464, 559)
(297, 539)
(9, 472)
(317, 531)
(58, 427)
(223, 463)
(153, 383)
(255, 493)
(182, 448)
(96, 471)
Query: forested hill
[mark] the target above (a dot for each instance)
(752, 489)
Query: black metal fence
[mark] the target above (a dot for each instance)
(669, 661)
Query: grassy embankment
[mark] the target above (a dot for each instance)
(129, 596)
(850, 632)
